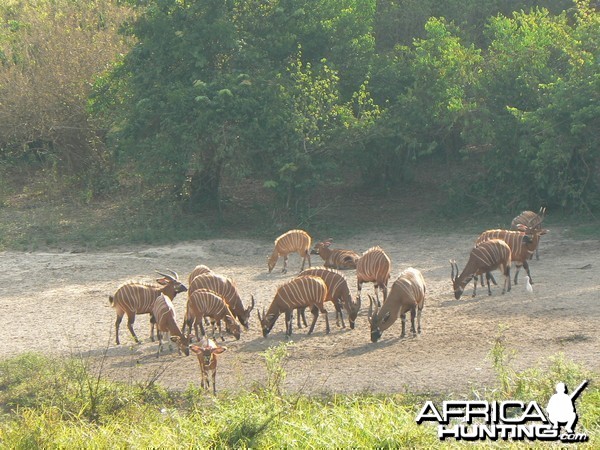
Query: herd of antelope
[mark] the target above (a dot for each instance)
(214, 299)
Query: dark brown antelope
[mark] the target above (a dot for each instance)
(138, 298)
(226, 288)
(522, 245)
(204, 303)
(406, 294)
(335, 258)
(490, 255)
(530, 220)
(374, 266)
(301, 292)
(207, 353)
(338, 293)
(166, 322)
(293, 241)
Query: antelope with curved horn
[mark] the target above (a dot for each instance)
(407, 294)
(490, 255)
(138, 298)
(374, 266)
(205, 303)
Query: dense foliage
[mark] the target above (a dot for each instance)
(184, 97)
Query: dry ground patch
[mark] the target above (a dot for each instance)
(58, 303)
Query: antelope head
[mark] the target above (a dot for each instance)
(353, 309)
(183, 344)
(245, 316)
(232, 327)
(458, 289)
(172, 280)
(266, 322)
(375, 320)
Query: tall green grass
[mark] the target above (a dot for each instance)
(68, 404)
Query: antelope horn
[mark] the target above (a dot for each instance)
(174, 274)
(252, 303)
(452, 269)
(166, 276)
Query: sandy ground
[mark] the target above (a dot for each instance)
(58, 303)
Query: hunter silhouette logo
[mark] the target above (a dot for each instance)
(473, 420)
(561, 407)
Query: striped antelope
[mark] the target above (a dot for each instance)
(198, 270)
(530, 220)
(138, 298)
(338, 293)
(522, 245)
(204, 303)
(290, 242)
(335, 258)
(490, 255)
(207, 353)
(166, 322)
(374, 266)
(407, 294)
(226, 288)
(301, 292)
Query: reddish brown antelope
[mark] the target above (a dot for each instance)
(407, 294)
(301, 292)
(138, 298)
(226, 288)
(335, 258)
(207, 353)
(204, 303)
(166, 322)
(293, 241)
(374, 266)
(522, 245)
(530, 220)
(338, 293)
(490, 255)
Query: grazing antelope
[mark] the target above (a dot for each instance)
(204, 303)
(522, 245)
(226, 288)
(407, 294)
(198, 270)
(374, 266)
(290, 242)
(335, 258)
(530, 220)
(207, 353)
(338, 293)
(166, 322)
(138, 298)
(301, 292)
(490, 255)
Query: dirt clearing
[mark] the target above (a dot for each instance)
(57, 303)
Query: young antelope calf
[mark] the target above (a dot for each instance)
(205, 303)
(407, 294)
(166, 322)
(338, 293)
(290, 242)
(490, 255)
(138, 298)
(374, 266)
(207, 353)
(301, 292)
(335, 258)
